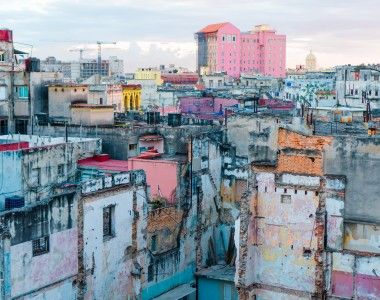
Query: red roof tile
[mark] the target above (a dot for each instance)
(212, 27)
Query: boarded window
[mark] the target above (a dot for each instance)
(61, 170)
(40, 246)
(21, 126)
(154, 243)
(3, 126)
(287, 199)
(108, 221)
(132, 147)
(150, 273)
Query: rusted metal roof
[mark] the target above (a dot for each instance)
(212, 27)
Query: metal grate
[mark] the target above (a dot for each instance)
(108, 216)
(40, 246)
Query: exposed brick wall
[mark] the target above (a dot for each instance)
(300, 154)
(289, 139)
(300, 164)
(165, 224)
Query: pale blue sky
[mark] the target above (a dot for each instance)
(153, 32)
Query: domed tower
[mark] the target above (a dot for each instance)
(311, 62)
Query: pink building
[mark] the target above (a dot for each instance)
(223, 48)
(163, 173)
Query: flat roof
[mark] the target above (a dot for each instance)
(218, 272)
(178, 292)
(38, 141)
(103, 162)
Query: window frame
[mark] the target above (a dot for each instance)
(38, 249)
(109, 230)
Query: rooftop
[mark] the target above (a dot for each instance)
(39, 141)
(212, 27)
(104, 163)
(218, 272)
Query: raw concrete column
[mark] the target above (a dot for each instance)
(5, 264)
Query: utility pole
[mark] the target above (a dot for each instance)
(11, 102)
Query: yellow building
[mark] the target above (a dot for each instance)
(132, 97)
(149, 74)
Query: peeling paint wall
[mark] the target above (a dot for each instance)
(33, 273)
(114, 265)
(279, 237)
(357, 158)
(163, 226)
(298, 222)
(48, 272)
(355, 276)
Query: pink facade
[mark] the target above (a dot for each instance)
(161, 176)
(205, 105)
(223, 48)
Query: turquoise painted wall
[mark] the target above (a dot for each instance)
(215, 289)
(166, 285)
(10, 175)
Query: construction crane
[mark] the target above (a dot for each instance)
(80, 50)
(100, 43)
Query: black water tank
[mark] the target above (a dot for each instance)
(174, 119)
(153, 117)
(14, 202)
(32, 64)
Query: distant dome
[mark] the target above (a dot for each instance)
(311, 56)
(311, 62)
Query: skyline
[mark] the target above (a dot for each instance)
(149, 33)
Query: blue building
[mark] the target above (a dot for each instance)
(217, 282)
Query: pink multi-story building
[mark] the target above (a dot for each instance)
(223, 48)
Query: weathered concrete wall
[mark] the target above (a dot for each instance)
(35, 275)
(32, 273)
(354, 276)
(358, 158)
(111, 262)
(161, 176)
(10, 175)
(279, 237)
(116, 140)
(164, 223)
(40, 167)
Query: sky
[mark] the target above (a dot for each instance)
(153, 32)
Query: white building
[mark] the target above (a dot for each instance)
(357, 84)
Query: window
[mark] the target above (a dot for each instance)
(21, 126)
(3, 126)
(2, 56)
(153, 245)
(132, 147)
(286, 199)
(22, 92)
(108, 221)
(40, 246)
(61, 170)
(101, 101)
(150, 273)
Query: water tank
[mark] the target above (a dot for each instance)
(14, 202)
(174, 119)
(32, 64)
(153, 117)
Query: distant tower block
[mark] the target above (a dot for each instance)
(311, 62)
